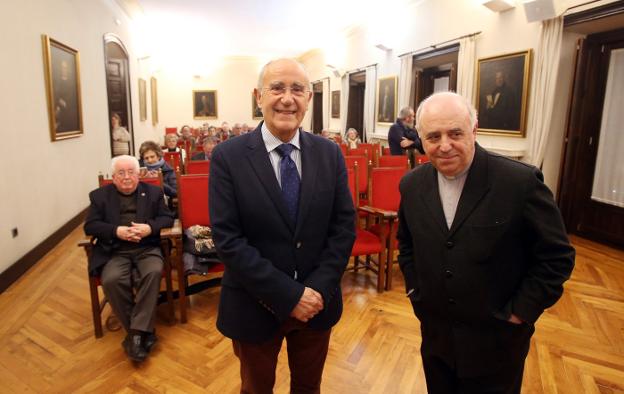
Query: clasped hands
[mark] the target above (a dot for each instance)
(310, 304)
(134, 233)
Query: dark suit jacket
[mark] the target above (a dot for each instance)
(199, 156)
(259, 245)
(395, 135)
(506, 252)
(103, 219)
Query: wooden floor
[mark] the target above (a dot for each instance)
(47, 343)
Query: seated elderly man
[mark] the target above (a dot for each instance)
(126, 218)
(236, 130)
(208, 146)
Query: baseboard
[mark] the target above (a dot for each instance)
(17, 269)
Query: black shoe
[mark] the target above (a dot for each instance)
(149, 341)
(133, 345)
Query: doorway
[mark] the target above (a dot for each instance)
(355, 113)
(317, 107)
(118, 92)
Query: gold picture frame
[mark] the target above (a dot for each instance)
(335, 104)
(62, 77)
(205, 104)
(503, 84)
(154, 97)
(142, 100)
(256, 111)
(386, 100)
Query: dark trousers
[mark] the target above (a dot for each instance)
(134, 312)
(307, 350)
(442, 379)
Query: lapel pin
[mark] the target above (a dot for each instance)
(142, 194)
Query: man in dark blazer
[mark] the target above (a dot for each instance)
(483, 250)
(283, 224)
(209, 145)
(125, 217)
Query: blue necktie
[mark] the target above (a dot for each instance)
(290, 180)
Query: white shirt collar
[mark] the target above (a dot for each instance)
(271, 142)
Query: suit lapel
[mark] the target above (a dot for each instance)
(309, 172)
(476, 187)
(259, 160)
(431, 198)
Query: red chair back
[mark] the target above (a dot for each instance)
(171, 130)
(362, 170)
(384, 191)
(193, 200)
(352, 181)
(385, 151)
(343, 149)
(421, 159)
(394, 161)
(360, 151)
(372, 151)
(173, 158)
(197, 167)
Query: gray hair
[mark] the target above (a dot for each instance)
(264, 68)
(124, 158)
(405, 112)
(472, 112)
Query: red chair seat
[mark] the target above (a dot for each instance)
(366, 243)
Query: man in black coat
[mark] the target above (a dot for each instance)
(126, 217)
(402, 138)
(483, 250)
(283, 224)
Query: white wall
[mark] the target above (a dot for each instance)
(44, 183)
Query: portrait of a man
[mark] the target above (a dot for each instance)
(256, 111)
(502, 86)
(205, 104)
(335, 104)
(386, 100)
(63, 77)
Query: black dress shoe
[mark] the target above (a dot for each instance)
(150, 340)
(134, 347)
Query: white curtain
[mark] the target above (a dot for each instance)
(543, 91)
(405, 81)
(609, 173)
(344, 103)
(326, 96)
(369, 102)
(466, 60)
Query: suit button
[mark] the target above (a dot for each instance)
(448, 273)
(298, 245)
(451, 301)
(449, 244)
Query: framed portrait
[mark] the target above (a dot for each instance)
(204, 104)
(256, 111)
(503, 92)
(154, 97)
(142, 100)
(335, 104)
(62, 76)
(386, 100)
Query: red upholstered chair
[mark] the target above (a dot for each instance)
(338, 139)
(366, 242)
(343, 149)
(362, 171)
(382, 210)
(372, 150)
(197, 167)
(421, 159)
(192, 209)
(171, 130)
(385, 151)
(360, 151)
(394, 161)
(174, 159)
(97, 305)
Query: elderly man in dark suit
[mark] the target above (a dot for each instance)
(126, 217)
(283, 223)
(483, 250)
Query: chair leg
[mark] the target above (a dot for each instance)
(171, 311)
(181, 281)
(381, 269)
(356, 261)
(390, 265)
(95, 307)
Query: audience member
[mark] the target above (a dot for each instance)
(352, 139)
(152, 158)
(208, 146)
(236, 130)
(126, 218)
(171, 145)
(186, 138)
(121, 136)
(401, 136)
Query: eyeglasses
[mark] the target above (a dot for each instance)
(123, 173)
(279, 89)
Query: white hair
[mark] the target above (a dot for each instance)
(405, 112)
(264, 68)
(472, 112)
(124, 158)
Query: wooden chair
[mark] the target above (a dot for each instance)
(394, 161)
(362, 171)
(366, 243)
(385, 151)
(197, 167)
(97, 305)
(174, 159)
(192, 209)
(343, 149)
(372, 150)
(382, 210)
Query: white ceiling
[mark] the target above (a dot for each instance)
(261, 28)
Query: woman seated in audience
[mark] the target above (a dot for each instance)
(152, 159)
(352, 138)
(171, 145)
(121, 136)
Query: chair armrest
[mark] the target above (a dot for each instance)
(171, 232)
(382, 213)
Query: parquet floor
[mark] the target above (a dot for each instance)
(47, 343)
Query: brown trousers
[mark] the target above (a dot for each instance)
(307, 350)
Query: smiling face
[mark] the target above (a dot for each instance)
(126, 176)
(283, 112)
